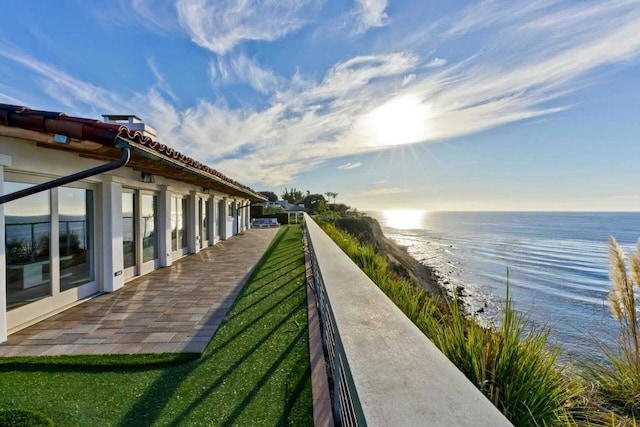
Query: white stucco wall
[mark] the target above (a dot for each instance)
(24, 161)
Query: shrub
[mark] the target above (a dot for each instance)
(24, 418)
(511, 365)
(618, 382)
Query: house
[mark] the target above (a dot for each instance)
(115, 204)
(289, 207)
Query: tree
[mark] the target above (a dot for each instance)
(292, 196)
(341, 208)
(332, 195)
(270, 195)
(313, 201)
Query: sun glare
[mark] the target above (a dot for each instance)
(404, 219)
(401, 120)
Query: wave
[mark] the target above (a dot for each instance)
(558, 266)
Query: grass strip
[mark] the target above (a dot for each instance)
(255, 370)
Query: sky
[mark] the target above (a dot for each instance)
(411, 104)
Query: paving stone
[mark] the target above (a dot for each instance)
(173, 309)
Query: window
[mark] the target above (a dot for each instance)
(230, 209)
(75, 209)
(128, 229)
(148, 208)
(178, 222)
(27, 246)
(205, 221)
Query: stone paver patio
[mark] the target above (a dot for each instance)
(174, 309)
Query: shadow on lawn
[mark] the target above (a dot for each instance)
(150, 405)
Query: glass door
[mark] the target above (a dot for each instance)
(208, 239)
(222, 219)
(27, 246)
(50, 249)
(75, 227)
(149, 232)
(129, 233)
(178, 226)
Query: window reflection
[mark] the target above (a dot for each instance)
(128, 230)
(178, 221)
(27, 246)
(205, 220)
(75, 208)
(148, 206)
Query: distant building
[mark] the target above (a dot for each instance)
(93, 233)
(288, 207)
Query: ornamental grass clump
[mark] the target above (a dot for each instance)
(618, 382)
(512, 365)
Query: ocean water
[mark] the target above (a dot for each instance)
(557, 262)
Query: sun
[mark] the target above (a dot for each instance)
(401, 120)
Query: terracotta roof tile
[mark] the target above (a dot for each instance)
(102, 133)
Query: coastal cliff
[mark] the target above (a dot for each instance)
(368, 231)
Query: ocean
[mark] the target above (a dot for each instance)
(557, 264)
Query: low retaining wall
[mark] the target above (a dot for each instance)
(385, 371)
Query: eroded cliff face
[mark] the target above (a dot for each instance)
(368, 231)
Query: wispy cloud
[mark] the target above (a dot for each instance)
(161, 82)
(238, 68)
(64, 88)
(436, 62)
(350, 165)
(221, 26)
(9, 99)
(157, 15)
(382, 192)
(321, 119)
(368, 14)
(552, 50)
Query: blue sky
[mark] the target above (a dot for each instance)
(442, 105)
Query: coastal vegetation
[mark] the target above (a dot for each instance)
(254, 371)
(618, 381)
(513, 364)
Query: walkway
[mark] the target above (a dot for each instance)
(171, 310)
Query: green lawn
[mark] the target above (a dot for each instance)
(255, 371)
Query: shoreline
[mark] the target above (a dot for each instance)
(430, 278)
(368, 230)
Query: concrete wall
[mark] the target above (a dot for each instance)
(386, 371)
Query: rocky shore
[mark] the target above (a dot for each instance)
(368, 231)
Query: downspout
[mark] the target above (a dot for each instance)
(123, 160)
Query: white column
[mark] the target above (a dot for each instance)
(113, 274)
(4, 161)
(241, 217)
(164, 227)
(247, 214)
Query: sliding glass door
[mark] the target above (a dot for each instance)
(178, 226)
(50, 249)
(139, 232)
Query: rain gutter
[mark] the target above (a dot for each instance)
(122, 161)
